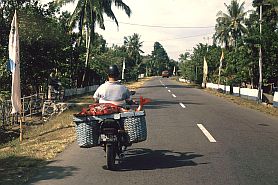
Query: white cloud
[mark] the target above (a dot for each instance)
(189, 13)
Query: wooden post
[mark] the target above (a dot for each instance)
(31, 107)
(23, 108)
(20, 128)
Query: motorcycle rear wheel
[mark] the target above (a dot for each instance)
(110, 156)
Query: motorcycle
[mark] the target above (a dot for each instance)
(113, 138)
(99, 126)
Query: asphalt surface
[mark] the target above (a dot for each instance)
(240, 146)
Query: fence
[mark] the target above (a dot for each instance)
(32, 105)
(247, 93)
(78, 91)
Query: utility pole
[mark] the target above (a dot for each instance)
(260, 58)
(260, 93)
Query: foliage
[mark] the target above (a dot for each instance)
(133, 60)
(241, 38)
(229, 25)
(160, 59)
(86, 15)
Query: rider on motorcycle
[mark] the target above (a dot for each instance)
(112, 91)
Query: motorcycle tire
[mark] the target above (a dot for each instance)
(110, 156)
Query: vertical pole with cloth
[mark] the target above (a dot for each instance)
(220, 67)
(205, 73)
(15, 69)
(123, 70)
(205, 67)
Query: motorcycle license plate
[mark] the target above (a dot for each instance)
(104, 137)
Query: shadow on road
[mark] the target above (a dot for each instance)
(53, 172)
(17, 170)
(147, 159)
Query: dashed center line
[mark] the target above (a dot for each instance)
(169, 90)
(174, 95)
(166, 87)
(207, 134)
(182, 105)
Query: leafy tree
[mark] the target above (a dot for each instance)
(89, 12)
(133, 61)
(230, 25)
(149, 65)
(160, 58)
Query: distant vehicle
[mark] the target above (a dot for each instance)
(165, 74)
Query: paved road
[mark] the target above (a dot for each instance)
(194, 138)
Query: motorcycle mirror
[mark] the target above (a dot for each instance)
(132, 92)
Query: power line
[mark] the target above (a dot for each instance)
(169, 27)
(182, 37)
(178, 38)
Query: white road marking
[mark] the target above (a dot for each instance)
(166, 87)
(207, 134)
(174, 95)
(169, 90)
(182, 105)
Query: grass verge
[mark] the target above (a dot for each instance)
(267, 109)
(42, 142)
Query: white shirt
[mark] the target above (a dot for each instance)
(112, 92)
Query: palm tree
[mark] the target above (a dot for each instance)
(133, 45)
(222, 32)
(89, 12)
(230, 26)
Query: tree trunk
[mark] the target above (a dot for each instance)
(88, 43)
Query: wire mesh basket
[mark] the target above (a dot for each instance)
(135, 126)
(87, 132)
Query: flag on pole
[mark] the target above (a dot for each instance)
(15, 66)
(123, 70)
(221, 59)
(205, 73)
(205, 68)
(220, 66)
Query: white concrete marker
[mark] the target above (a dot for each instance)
(207, 134)
(174, 95)
(169, 90)
(182, 105)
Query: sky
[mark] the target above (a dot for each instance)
(193, 22)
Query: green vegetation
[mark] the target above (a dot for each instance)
(41, 143)
(50, 44)
(240, 38)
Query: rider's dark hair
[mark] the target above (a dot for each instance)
(113, 71)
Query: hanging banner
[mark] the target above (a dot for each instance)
(14, 65)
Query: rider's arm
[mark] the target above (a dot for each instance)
(97, 95)
(128, 98)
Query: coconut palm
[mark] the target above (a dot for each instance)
(230, 25)
(133, 45)
(89, 12)
(221, 35)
